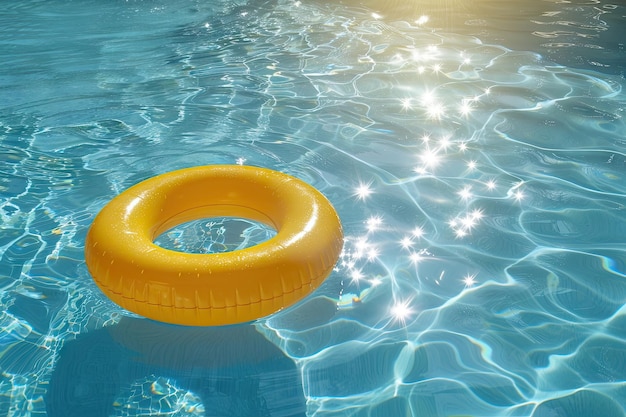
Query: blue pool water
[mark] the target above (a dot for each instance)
(476, 154)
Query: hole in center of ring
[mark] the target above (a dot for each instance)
(215, 235)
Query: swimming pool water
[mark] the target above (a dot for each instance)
(476, 155)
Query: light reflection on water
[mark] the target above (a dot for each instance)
(480, 185)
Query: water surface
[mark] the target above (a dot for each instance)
(476, 156)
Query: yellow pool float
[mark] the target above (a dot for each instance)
(217, 288)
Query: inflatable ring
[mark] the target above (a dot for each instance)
(217, 288)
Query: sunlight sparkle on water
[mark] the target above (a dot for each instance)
(406, 242)
(375, 281)
(469, 280)
(463, 225)
(417, 257)
(515, 191)
(361, 247)
(401, 311)
(418, 232)
(444, 143)
(363, 191)
(422, 20)
(374, 223)
(428, 98)
(476, 214)
(468, 222)
(372, 253)
(491, 185)
(365, 249)
(430, 158)
(460, 233)
(465, 108)
(465, 193)
(356, 275)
